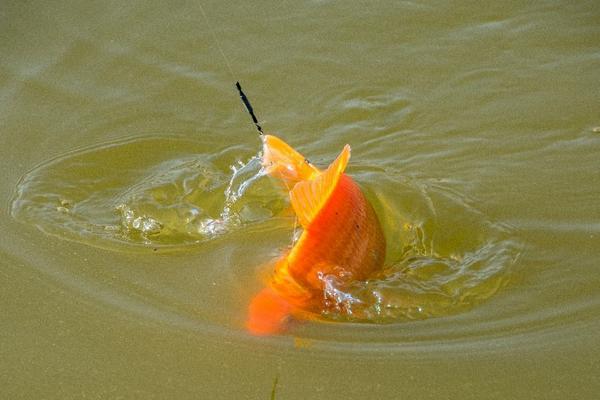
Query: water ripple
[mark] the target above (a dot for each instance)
(445, 258)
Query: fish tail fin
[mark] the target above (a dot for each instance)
(308, 197)
(282, 161)
(268, 313)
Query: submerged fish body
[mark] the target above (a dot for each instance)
(342, 238)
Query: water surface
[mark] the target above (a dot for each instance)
(474, 132)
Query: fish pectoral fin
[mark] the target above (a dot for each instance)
(309, 196)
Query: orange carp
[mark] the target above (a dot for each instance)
(341, 238)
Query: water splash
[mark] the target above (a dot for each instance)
(158, 193)
(242, 176)
(444, 255)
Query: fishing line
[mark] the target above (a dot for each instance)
(214, 35)
(237, 83)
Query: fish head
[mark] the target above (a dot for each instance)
(281, 161)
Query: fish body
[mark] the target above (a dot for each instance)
(341, 239)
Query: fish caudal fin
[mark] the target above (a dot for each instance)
(282, 161)
(309, 196)
(268, 313)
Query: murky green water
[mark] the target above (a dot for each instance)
(475, 132)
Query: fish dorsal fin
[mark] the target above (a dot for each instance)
(309, 196)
